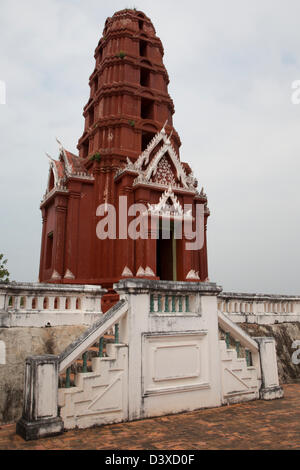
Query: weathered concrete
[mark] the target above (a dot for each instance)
(40, 411)
(285, 334)
(21, 343)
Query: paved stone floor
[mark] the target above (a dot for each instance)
(254, 425)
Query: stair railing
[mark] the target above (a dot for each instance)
(40, 407)
(93, 335)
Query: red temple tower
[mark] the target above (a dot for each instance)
(130, 149)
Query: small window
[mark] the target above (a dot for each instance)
(56, 303)
(85, 149)
(91, 116)
(95, 84)
(68, 304)
(34, 304)
(145, 77)
(143, 48)
(141, 24)
(78, 304)
(147, 108)
(46, 303)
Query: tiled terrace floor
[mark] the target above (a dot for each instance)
(254, 425)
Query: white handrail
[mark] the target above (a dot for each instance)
(92, 335)
(237, 333)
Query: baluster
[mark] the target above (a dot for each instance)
(84, 357)
(173, 303)
(68, 378)
(237, 347)
(227, 339)
(249, 358)
(166, 303)
(180, 304)
(151, 303)
(117, 331)
(101, 345)
(187, 303)
(159, 303)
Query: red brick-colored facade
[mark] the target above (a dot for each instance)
(129, 148)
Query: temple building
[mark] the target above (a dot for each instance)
(129, 148)
(124, 233)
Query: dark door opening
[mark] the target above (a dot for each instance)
(166, 266)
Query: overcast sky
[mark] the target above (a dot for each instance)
(231, 66)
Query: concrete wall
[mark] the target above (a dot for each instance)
(19, 344)
(285, 334)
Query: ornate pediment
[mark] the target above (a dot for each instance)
(169, 206)
(159, 165)
(163, 173)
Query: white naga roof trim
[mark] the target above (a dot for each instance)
(52, 169)
(66, 162)
(145, 176)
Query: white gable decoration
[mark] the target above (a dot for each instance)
(159, 170)
(166, 209)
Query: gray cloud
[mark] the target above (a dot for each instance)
(231, 65)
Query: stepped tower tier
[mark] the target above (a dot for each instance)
(129, 101)
(128, 176)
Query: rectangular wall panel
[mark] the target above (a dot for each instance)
(175, 362)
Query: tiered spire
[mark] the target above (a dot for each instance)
(129, 100)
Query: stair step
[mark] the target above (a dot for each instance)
(92, 353)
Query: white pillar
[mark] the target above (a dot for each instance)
(270, 388)
(40, 406)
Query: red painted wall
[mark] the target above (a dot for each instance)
(114, 125)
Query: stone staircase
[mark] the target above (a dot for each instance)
(240, 381)
(99, 396)
(184, 355)
(100, 349)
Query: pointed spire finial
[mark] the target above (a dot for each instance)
(59, 143)
(49, 156)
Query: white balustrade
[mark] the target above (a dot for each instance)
(259, 308)
(34, 304)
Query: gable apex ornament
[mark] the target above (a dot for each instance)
(65, 158)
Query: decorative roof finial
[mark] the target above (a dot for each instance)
(49, 156)
(59, 143)
(163, 131)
